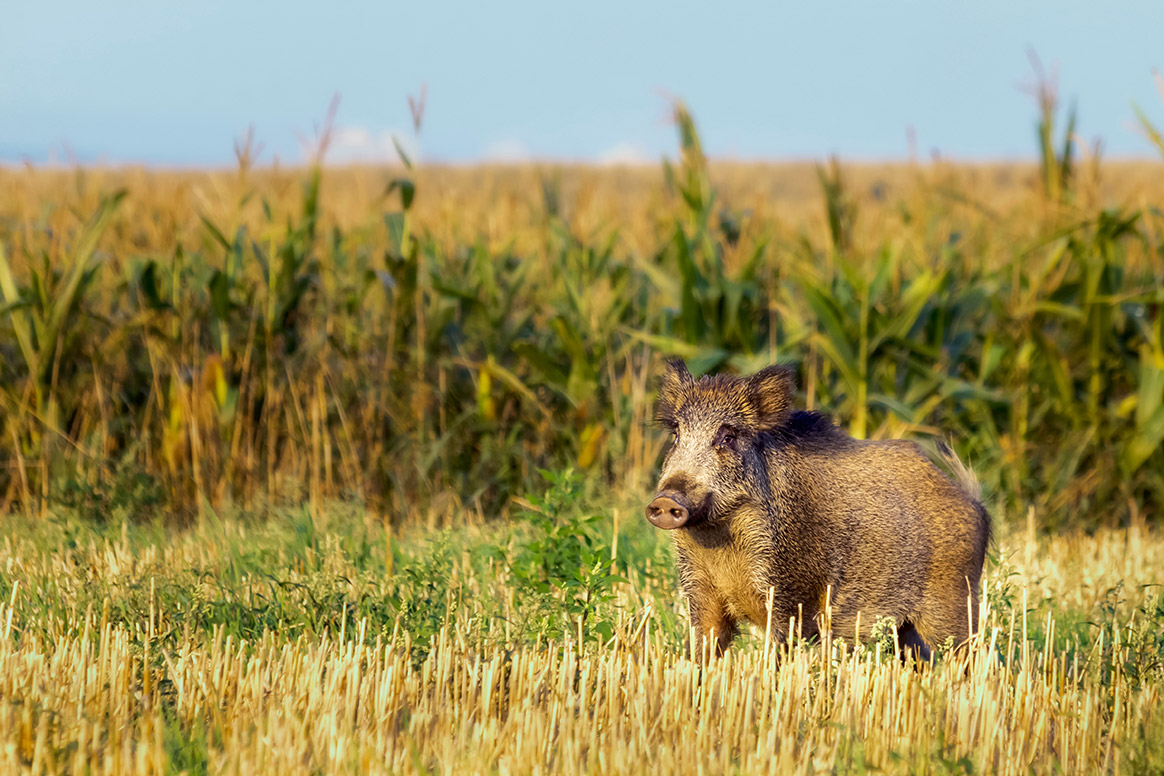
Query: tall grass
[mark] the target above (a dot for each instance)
(267, 336)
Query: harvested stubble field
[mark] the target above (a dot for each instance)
(341, 471)
(278, 647)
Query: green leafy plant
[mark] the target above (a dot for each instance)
(563, 569)
(425, 595)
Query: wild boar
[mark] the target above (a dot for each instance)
(761, 497)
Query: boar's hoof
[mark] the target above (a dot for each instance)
(668, 511)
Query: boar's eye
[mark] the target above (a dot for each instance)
(726, 438)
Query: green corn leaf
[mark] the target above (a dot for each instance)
(147, 282)
(1067, 157)
(1066, 466)
(220, 295)
(216, 233)
(407, 191)
(1146, 440)
(311, 201)
(843, 360)
(19, 319)
(75, 278)
(395, 224)
(261, 257)
(1150, 130)
(552, 373)
(664, 282)
(449, 290)
(1060, 370)
(747, 271)
(570, 340)
(1149, 433)
(1150, 396)
(706, 360)
(897, 407)
(515, 384)
(835, 340)
(400, 152)
(8, 309)
(887, 264)
(699, 359)
(1059, 310)
(914, 300)
(694, 322)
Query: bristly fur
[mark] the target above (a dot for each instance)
(789, 502)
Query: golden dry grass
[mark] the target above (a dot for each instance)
(502, 203)
(89, 692)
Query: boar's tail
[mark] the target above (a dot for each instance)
(962, 473)
(964, 477)
(968, 483)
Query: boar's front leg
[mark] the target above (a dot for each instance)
(709, 619)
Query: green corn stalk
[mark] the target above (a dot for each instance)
(862, 323)
(1148, 434)
(840, 207)
(717, 309)
(1057, 166)
(40, 324)
(1103, 283)
(1150, 131)
(223, 281)
(693, 182)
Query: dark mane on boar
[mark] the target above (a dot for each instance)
(764, 498)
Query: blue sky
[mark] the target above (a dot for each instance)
(175, 83)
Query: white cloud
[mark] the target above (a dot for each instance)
(361, 145)
(624, 154)
(507, 152)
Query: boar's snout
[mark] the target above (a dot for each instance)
(668, 510)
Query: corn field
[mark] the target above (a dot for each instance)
(424, 340)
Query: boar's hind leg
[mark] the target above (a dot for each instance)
(911, 643)
(945, 620)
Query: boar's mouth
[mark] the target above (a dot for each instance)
(672, 509)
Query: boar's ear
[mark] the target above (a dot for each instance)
(677, 371)
(675, 380)
(772, 390)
